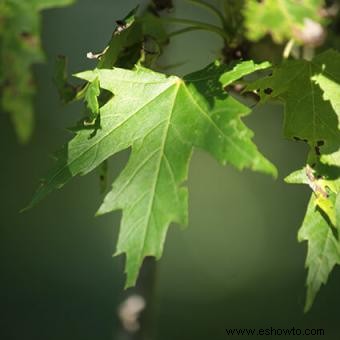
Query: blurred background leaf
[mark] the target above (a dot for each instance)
(20, 48)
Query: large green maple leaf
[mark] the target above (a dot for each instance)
(283, 19)
(310, 93)
(162, 118)
(20, 47)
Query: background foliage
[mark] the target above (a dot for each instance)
(211, 252)
(20, 48)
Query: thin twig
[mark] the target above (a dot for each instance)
(184, 30)
(202, 25)
(211, 8)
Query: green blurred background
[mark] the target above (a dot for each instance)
(238, 264)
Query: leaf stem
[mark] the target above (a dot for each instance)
(201, 25)
(184, 30)
(211, 8)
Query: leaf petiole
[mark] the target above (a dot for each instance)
(184, 30)
(211, 8)
(197, 24)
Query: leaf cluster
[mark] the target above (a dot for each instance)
(163, 118)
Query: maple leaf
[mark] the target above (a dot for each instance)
(325, 184)
(323, 250)
(162, 118)
(284, 20)
(310, 92)
(127, 47)
(20, 48)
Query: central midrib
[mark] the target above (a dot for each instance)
(154, 185)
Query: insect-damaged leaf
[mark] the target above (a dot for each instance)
(310, 91)
(126, 45)
(162, 118)
(126, 48)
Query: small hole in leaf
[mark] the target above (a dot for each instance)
(317, 150)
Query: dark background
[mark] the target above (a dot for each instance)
(238, 264)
